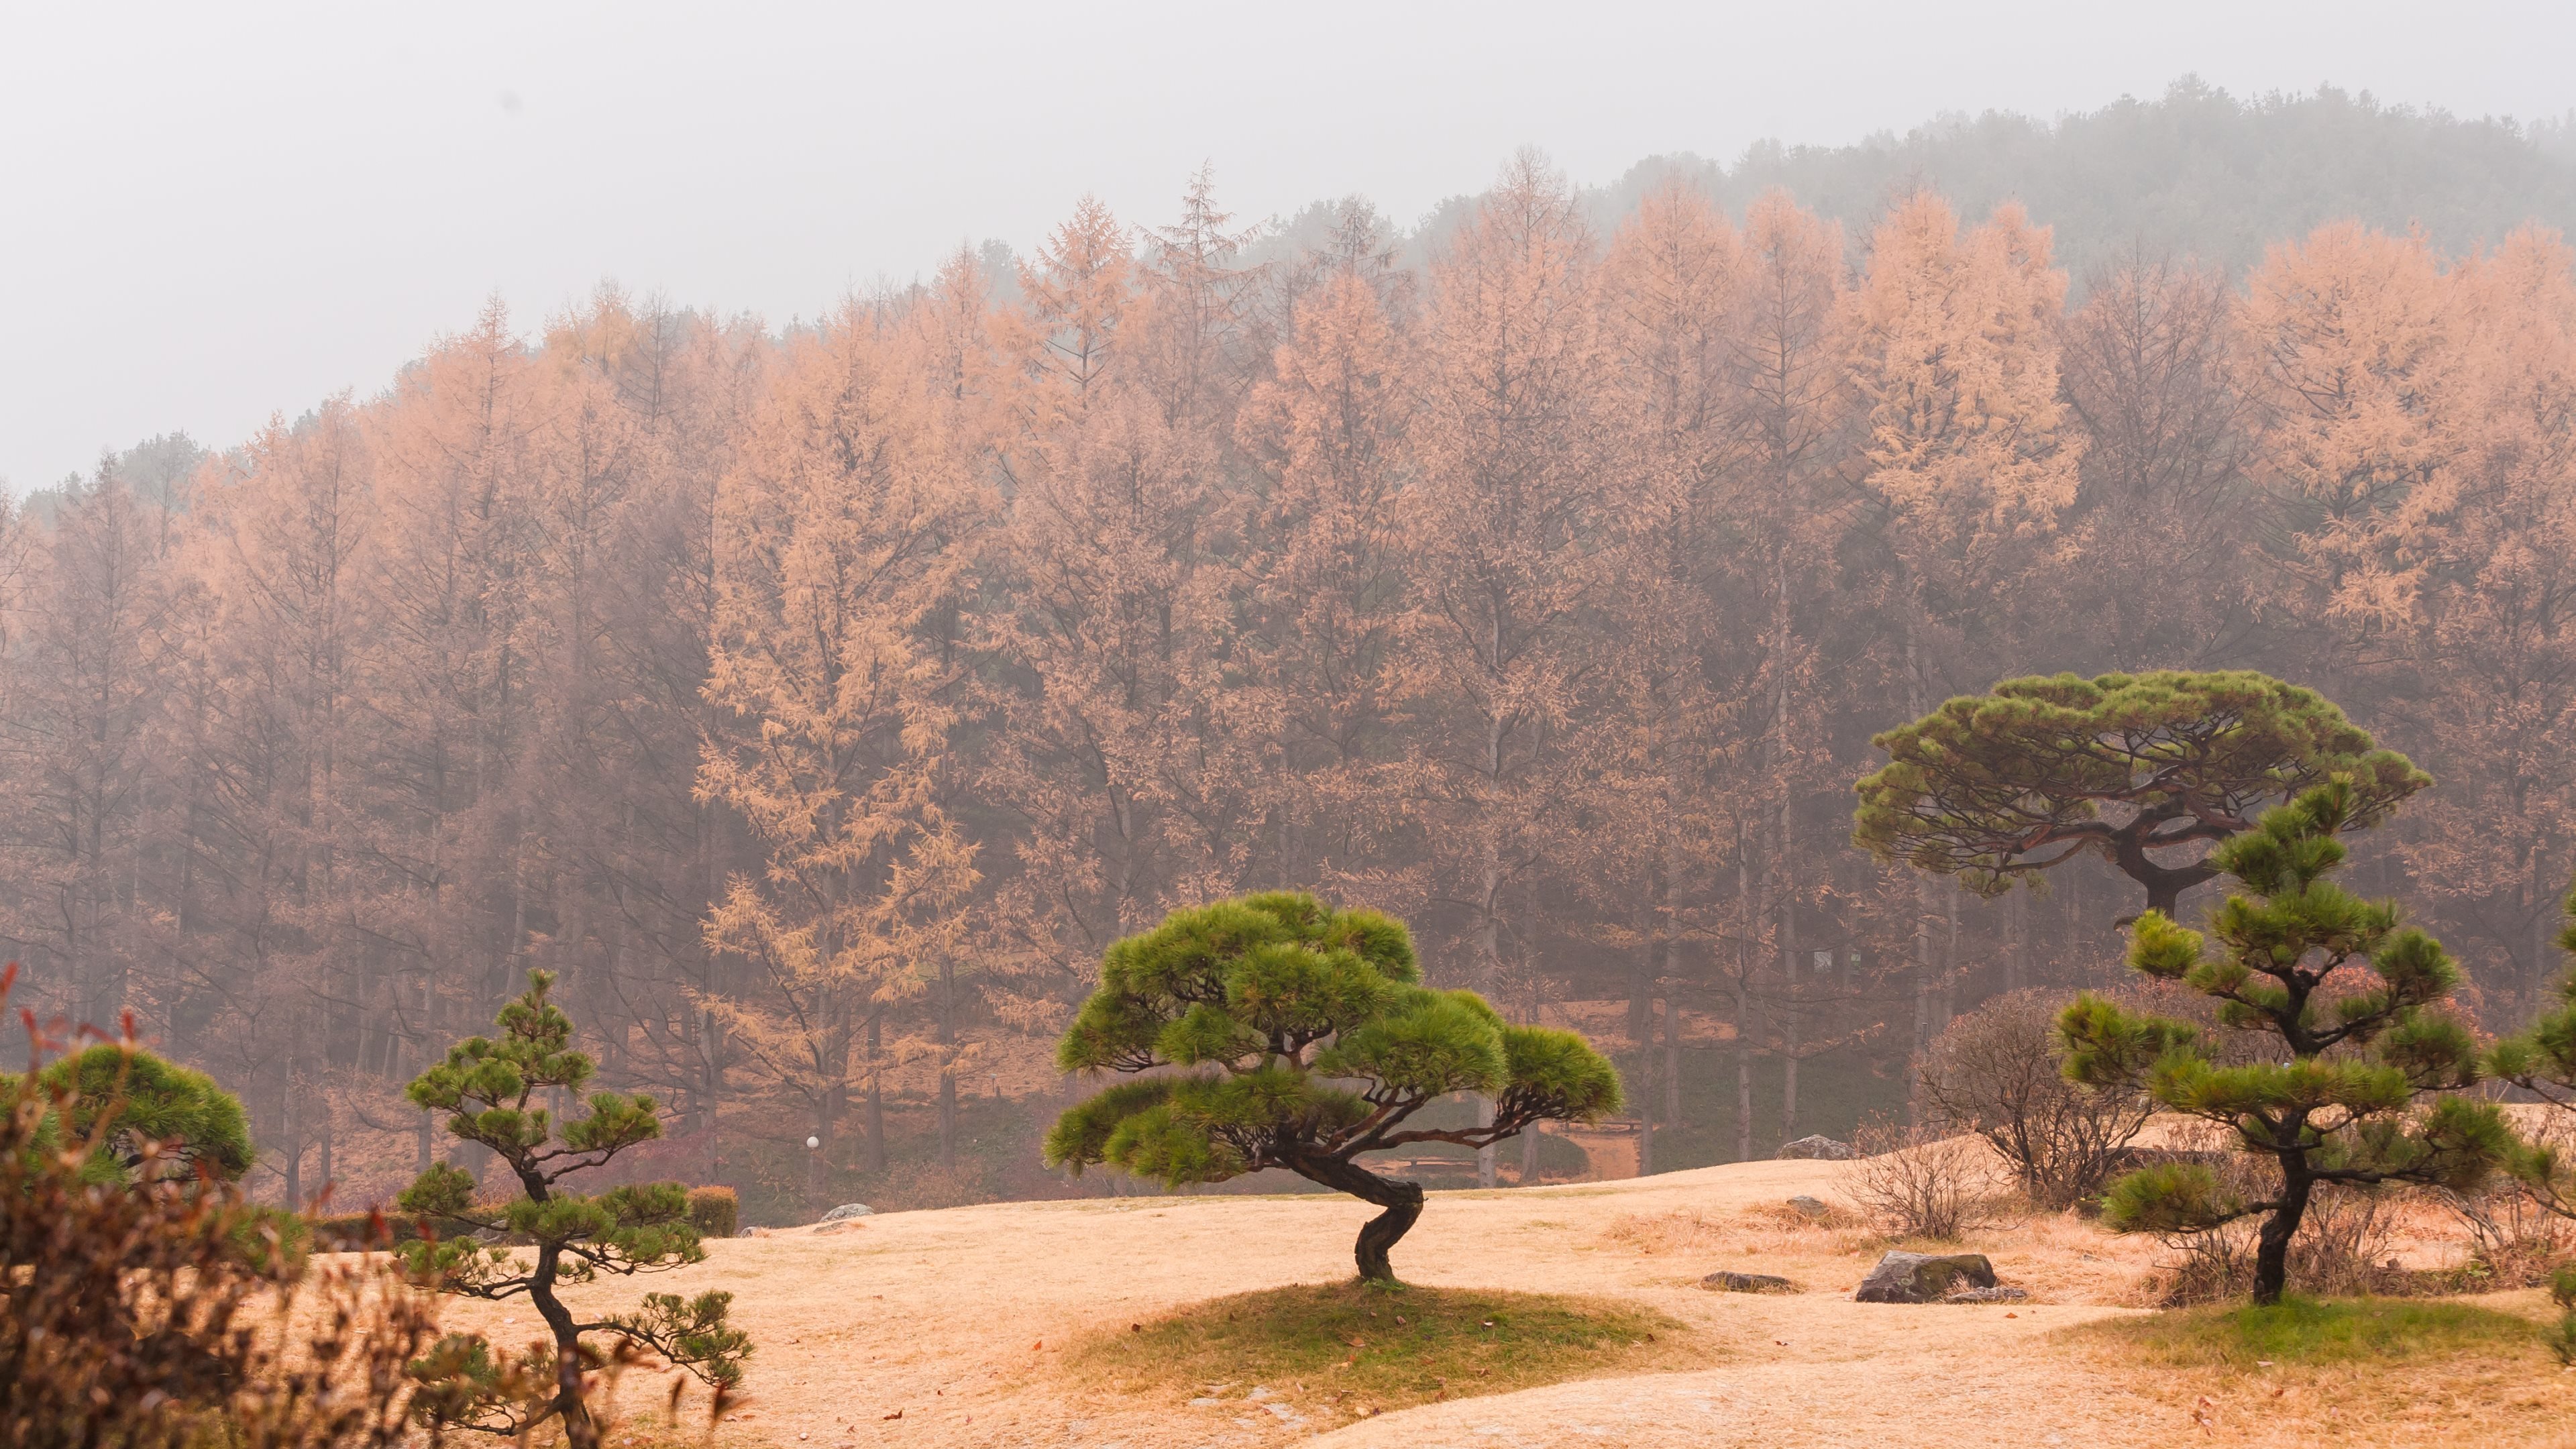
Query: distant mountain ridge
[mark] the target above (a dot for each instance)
(2196, 173)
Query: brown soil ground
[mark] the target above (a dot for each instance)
(959, 1321)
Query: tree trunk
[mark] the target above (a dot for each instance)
(294, 1136)
(1922, 986)
(947, 1071)
(2165, 883)
(1950, 956)
(1744, 1077)
(2016, 940)
(876, 1097)
(580, 1431)
(1646, 1099)
(2272, 1250)
(714, 1090)
(1484, 1155)
(1378, 1236)
(947, 1118)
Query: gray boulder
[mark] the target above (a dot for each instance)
(849, 1210)
(1813, 1207)
(1924, 1277)
(1985, 1295)
(1825, 1148)
(1747, 1283)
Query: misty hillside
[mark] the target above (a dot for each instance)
(2198, 173)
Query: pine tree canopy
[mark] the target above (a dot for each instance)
(122, 1096)
(2018, 779)
(1284, 1033)
(2352, 1001)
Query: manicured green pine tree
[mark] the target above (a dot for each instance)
(2351, 997)
(1281, 1032)
(2018, 779)
(191, 1124)
(486, 1087)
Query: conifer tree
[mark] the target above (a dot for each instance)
(1286, 1033)
(1508, 511)
(488, 1089)
(2016, 780)
(844, 540)
(2354, 1002)
(143, 1112)
(1328, 594)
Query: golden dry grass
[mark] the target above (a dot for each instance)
(984, 1325)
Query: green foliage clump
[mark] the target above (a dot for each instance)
(2351, 999)
(1285, 1033)
(119, 1098)
(488, 1086)
(2010, 782)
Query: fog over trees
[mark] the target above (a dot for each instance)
(819, 702)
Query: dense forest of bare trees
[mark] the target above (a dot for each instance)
(819, 705)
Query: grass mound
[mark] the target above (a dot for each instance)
(2321, 1331)
(1350, 1349)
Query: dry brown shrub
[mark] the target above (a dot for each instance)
(1918, 1185)
(1835, 1217)
(2514, 1242)
(1994, 1072)
(1681, 1230)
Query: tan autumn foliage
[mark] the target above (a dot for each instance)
(819, 701)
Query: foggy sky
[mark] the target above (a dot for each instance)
(205, 218)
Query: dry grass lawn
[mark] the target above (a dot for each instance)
(1000, 1325)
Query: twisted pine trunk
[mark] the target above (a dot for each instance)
(1378, 1236)
(2272, 1247)
(579, 1429)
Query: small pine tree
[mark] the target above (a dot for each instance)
(144, 1113)
(1289, 1034)
(485, 1086)
(2351, 998)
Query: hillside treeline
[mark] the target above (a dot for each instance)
(2195, 171)
(820, 704)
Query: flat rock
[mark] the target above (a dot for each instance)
(1923, 1277)
(1825, 1148)
(1986, 1295)
(845, 1225)
(849, 1210)
(1813, 1207)
(1722, 1282)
